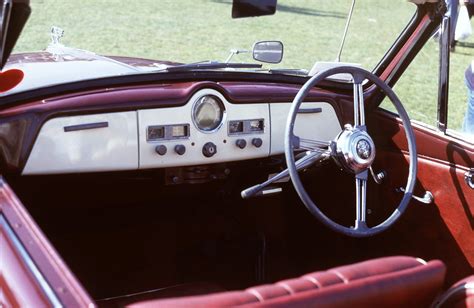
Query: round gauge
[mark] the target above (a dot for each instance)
(208, 113)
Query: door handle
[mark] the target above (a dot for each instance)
(427, 198)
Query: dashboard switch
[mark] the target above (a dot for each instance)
(209, 149)
(161, 149)
(257, 142)
(180, 149)
(241, 143)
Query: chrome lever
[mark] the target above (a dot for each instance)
(427, 198)
(309, 159)
(469, 178)
(379, 176)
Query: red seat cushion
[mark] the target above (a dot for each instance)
(185, 289)
(387, 282)
(460, 295)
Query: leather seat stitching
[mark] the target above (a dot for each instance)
(286, 287)
(314, 281)
(341, 276)
(256, 294)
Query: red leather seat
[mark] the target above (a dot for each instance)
(460, 295)
(384, 282)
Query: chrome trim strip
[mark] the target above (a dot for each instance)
(465, 287)
(73, 128)
(30, 264)
(310, 110)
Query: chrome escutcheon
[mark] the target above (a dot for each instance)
(355, 149)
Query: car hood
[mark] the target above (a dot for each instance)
(42, 69)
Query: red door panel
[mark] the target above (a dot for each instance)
(18, 284)
(31, 269)
(445, 228)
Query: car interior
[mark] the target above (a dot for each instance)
(146, 197)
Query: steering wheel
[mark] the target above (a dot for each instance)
(353, 149)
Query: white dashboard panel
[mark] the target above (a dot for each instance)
(225, 144)
(121, 140)
(114, 146)
(321, 126)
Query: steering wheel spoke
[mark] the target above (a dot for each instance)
(361, 200)
(359, 108)
(309, 144)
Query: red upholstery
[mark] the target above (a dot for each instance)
(460, 295)
(185, 289)
(385, 282)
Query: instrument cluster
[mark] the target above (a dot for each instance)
(207, 129)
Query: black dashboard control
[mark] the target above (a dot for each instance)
(209, 149)
(180, 149)
(241, 143)
(161, 149)
(257, 142)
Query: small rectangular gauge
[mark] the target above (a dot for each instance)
(167, 132)
(242, 127)
(155, 133)
(256, 125)
(179, 131)
(236, 127)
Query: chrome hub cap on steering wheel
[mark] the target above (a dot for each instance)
(354, 149)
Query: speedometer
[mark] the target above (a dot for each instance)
(208, 113)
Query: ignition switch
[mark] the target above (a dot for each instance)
(209, 149)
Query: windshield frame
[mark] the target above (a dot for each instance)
(141, 78)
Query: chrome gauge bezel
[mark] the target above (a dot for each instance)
(221, 107)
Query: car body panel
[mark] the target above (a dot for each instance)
(59, 279)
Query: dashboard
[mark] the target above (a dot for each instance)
(206, 129)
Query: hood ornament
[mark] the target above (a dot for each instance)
(56, 34)
(64, 53)
(55, 48)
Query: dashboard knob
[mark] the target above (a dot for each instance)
(161, 149)
(209, 149)
(180, 149)
(241, 143)
(257, 142)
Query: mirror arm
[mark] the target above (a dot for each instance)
(235, 52)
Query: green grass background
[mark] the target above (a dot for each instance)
(195, 30)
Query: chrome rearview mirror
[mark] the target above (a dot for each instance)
(253, 8)
(268, 51)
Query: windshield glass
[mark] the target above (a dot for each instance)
(201, 30)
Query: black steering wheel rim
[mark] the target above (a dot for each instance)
(359, 75)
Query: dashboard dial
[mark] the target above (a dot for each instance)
(208, 113)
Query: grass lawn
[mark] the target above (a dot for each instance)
(195, 30)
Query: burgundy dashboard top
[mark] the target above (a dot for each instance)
(165, 95)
